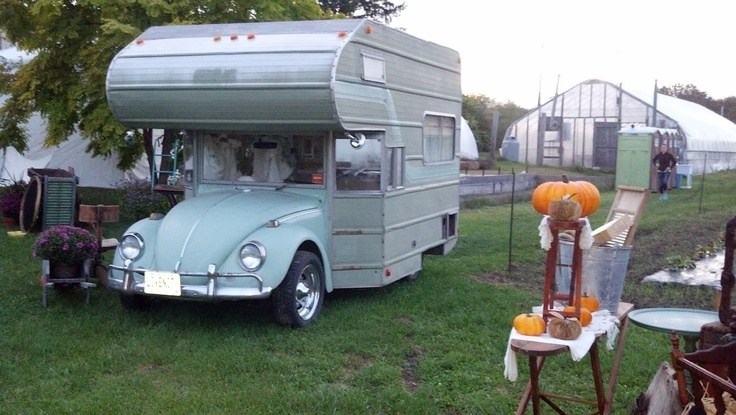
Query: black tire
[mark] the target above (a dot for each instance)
(134, 302)
(298, 300)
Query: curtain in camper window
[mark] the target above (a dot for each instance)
(439, 138)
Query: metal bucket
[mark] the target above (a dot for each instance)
(604, 272)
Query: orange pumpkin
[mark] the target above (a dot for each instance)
(583, 192)
(585, 315)
(590, 302)
(529, 324)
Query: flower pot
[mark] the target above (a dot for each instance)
(63, 271)
(10, 222)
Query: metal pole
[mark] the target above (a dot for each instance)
(494, 134)
(702, 184)
(511, 220)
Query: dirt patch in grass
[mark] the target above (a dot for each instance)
(409, 371)
(528, 277)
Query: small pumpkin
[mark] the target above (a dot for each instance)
(585, 315)
(565, 209)
(584, 193)
(529, 324)
(590, 302)
(561, 327)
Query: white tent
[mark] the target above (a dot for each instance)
(468, 145)
(91, 171)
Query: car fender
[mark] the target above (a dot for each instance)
(281, 243)
(146, 228)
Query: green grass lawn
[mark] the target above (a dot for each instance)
(433, 346)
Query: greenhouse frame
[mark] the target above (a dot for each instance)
(581, 126)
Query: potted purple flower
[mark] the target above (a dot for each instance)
(11, 198)
(66, 248)
(10, 205)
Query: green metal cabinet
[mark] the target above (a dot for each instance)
(634, 160)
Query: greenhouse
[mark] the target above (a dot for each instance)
(581, 127)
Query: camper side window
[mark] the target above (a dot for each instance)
(439, 138)
(395, 155)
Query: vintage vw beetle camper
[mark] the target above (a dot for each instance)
(319, 155)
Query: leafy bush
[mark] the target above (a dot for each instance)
(139, 201)
(65, 244)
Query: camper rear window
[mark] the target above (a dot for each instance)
(439, 138)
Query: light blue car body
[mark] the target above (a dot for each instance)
(200, 240)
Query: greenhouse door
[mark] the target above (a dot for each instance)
(605, 139)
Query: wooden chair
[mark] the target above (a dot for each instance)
(96, 215)
(713, 333)
(712, 372)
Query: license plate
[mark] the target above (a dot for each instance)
(162, 283)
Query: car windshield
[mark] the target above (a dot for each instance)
(262, 158)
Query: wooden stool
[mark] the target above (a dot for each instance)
(715, 333)
(537, 352)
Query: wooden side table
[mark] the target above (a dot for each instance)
(537, 353)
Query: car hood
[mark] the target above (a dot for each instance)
(206, 229)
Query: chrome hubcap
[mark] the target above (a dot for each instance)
(308, 292)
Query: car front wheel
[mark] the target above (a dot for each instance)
(298, 300)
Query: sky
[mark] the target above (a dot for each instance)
(509, 48)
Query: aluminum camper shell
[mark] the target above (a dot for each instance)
(361, 124)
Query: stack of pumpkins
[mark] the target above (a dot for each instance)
(566, 200)
(559, 326)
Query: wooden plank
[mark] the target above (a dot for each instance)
(631, 201)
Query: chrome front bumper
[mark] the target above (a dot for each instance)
(211, 290)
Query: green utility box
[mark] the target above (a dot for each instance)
(636, 148)
(634, 159)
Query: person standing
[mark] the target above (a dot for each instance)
(664, 162)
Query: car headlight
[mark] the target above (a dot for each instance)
(131, 246)
(251, 256)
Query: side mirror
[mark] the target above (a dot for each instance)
(357, 140)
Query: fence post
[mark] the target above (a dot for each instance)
(511, 221)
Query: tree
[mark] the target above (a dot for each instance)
(478, 112)
(377, 9)
(74, 43)
(689, 92)
(728, 108)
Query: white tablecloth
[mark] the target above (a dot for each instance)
(603, 322)
(545, 235)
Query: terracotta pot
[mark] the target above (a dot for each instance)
(10, 222)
